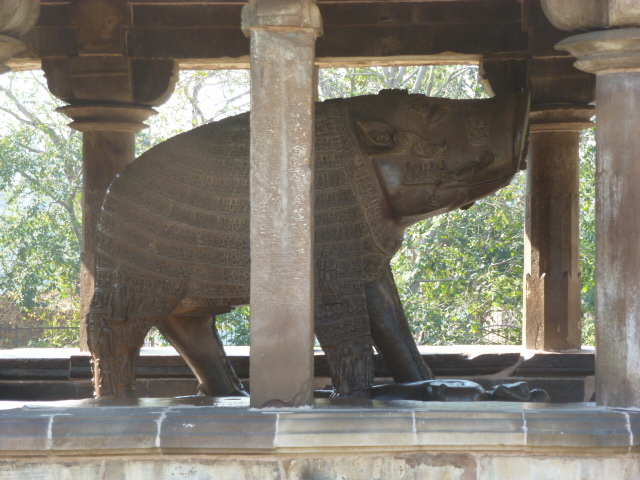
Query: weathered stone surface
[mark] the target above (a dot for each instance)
(47, 470)
(208, 35)
(577, 428)
(552, 312)
(281, 190)
(201, 469)
(605, 52)
(16, 18)
(194, 430)
(121, 430)
(592, 14)
(495, 467)
(615, 58)
(345, 428)
(23, 432)
(340, 426)
(488, 427)
(419, 466)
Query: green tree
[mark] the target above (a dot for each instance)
(588, 233)
(434, 81)
(460, 274)
(40, 213)
(40, 188)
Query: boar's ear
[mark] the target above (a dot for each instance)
(376, 135)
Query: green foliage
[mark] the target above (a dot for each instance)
(460, 274)
(40, 187)
(588, 234)
(453, 81)
(234, 327)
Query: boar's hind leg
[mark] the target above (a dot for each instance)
(115, 345)
(197, 340)
(390, 331)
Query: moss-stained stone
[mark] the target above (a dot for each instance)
(558, 468)
(419, 466)
(192, 469)
(56, 470)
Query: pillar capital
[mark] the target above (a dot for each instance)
(560, 118)
(591, 14)
(107, 117)
(282, 15)
(110, 79)
(605, 52)
(16, 18)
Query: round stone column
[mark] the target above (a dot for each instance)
(614, 56)
(109, 145)
(552, 239)
(110, 96)
(16, 18)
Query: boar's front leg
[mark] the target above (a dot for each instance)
(342, 327)
(197, 340)
(390, 331)
(115, 344)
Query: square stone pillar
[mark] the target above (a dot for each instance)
(283, 34)
(614, 56)
(552, 310)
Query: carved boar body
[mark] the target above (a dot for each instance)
(173, 242)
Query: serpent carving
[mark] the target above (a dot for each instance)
(173, 240)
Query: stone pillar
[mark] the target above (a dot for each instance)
(109, 145)
(614, 56)
(110, 96)
(16, 18)
(552, 310)
(282, 34)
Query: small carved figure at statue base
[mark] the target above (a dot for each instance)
(454, 390)
(173, 240)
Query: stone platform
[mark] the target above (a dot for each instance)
(65, 374)
(205, 438)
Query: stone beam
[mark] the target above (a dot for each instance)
(206, 34)
(282, 37)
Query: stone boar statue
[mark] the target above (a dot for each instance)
(173, 239)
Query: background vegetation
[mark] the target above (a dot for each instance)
(459, 275)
